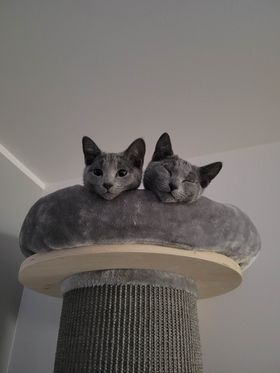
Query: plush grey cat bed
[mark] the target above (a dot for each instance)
(73, 217)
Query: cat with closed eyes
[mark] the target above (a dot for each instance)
(110, 174)
(173, 179)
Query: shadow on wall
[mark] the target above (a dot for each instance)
(10, 294)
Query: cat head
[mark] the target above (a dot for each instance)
(110, 174)
(174, 180)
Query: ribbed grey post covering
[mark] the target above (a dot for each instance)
(122, 321)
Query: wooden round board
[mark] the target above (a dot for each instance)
(213, 273)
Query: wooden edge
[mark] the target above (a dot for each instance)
(214, 273)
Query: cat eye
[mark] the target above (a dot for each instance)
(98, 172)
(190, 179)
(121, 173)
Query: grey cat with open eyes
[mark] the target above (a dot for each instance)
(174, 180)
(110, 174)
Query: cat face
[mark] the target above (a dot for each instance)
(174, 180)
(110, 174)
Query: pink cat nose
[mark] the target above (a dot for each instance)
(107, 186)
(172, 186)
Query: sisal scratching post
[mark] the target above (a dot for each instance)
(120, 321)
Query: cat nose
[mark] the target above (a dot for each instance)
(172, 186)
(107, 186)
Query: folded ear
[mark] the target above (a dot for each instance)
(136, 152)
(208, 172)
(163, 148)
(90, 149)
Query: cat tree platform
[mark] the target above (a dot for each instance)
(130, 272)
(214, 274)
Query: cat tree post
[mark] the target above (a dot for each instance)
(129, 308)
(128, 321)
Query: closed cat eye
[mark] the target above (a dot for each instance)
(121, 173)
(190, 179)
(98, 172)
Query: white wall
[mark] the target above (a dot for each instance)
(17, 193)
(240, 331)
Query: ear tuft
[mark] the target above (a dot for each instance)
(163, 148)
(90, 149)
(209, 172)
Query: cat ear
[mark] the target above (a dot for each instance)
(90, 149)
(136, 152)
(163, 148)
(208, 172)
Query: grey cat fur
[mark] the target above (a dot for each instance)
(173, 179)
(102, 173)
(73, 217)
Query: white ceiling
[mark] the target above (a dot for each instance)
(206, 71)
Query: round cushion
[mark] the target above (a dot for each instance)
(74, 217)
